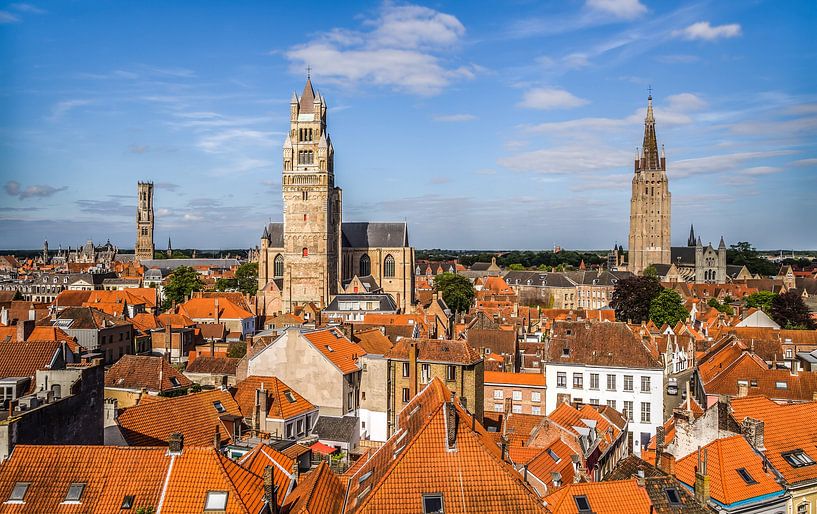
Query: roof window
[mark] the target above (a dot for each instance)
(75, 491)
(746, 476)
(219, 407)
(797, 458)
(18, 494)
(553, 455)
(216, 500)
(127, 502)
(433, 504)
(174, 381)
(289, 396)
(329, 348)
(673, 497)
(582, 503)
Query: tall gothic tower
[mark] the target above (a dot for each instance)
(650, 203)
(312, 205)
(144, 221)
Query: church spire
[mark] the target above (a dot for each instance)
(308, 96)
(691, 240)
(649, 150)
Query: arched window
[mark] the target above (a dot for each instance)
(365, 266)
(278, 266)
(388, 266)
(305, 252)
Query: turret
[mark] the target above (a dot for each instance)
(691, 240)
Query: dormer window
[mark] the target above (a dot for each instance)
(215, 501)
(75, 491)
(673, 497)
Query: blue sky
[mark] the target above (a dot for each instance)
(484, 125)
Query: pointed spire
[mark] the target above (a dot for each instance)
(649, 150)
(691, 240)
(722, 244)
(287, 142)
(294, 98)
(307, 97)
(698, 242)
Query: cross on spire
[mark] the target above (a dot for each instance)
(649, 89)
(309, 72)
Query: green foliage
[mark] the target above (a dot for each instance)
(632, 297)
(667, 307)
(181, 283)
(789, 311)
(528, 259)
(457, 291)
(721, 307)
(650, 271)
(761, 300)
(145, 510)
(245, 281)
(516, 267)
(195, 388)
(174, 392)
(237, 350)
(744, 254)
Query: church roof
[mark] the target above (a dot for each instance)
(307, 97)
(362, 234)
(683, 255)
(274, 233)
(649, 150)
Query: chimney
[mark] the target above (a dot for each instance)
(176, 443)
(556, 477)
(270, 490)
(262, 407)
(216, 308)
(640, 477)
(667, 464)
(754, 432)
(451, 420)
(660, 434)
(212, 347)
(24, 329)
(743, 390)
(412, 357)
(217, 438)
(701, 479)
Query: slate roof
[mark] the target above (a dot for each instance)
(143, 371)
(173, 484)
(363, 234)
(683, 255)
(538, 278)
(176, 263)
(274, 233)
(386, 302)
(336, 428)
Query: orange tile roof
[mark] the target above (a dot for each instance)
(194, 415)
(471, 476)
(724, 457)
(142, 371)
(175, 320)
(521, 379)
(336, 347)
(23, 359)
(373, 341)
(279, 406)
(283, 476)
(295, 451)
(436, 350)
(787, 428)
(172, 484)
(319, 492)
(614, 497)
(43, 333)
(205, 308)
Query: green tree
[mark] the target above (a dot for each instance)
(247, 277)
(790, 311)
(650, 271)
(457, 291)
(667, 307)
(761, 300)
(632, 296)
(721, 307)
(181, 283)
(237, 350)
(516, 267)
(744, 254)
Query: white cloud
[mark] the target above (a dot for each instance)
(625, 9)
(566, 159)
(7, 17)
(550, 98)
(685, 102)
(225, 140)
(761, 170)
(29, 8)
(13, 188)
(400, 52)
(805, 162)
(702, 30)
(453, 118)
(62, 108)
(725, 162)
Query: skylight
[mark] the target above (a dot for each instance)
(18, 494)
(798, 458)
(219, 407)
(433, 504)
(746, 476)
(75, 491)
(174, 381)
(781, 385)
(216, 500)
(673, 497)
(553, 455)
(289, 396)
(329, 348)
(582, 503)
(127, 502)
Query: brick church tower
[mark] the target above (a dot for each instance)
(312, 205)
(144, 221)
(650, 204)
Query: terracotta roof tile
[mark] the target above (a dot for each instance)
(619, 496)
(205, 308)
(336, 347)
(319, 492)
(373, 341)
(261, 456)
(598, 343)
(23, 359)
(436, 350)
(283, 402)
(213, 365)
(141, 371)
(522, 379)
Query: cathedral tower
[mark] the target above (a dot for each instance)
(144, 221)
(312, 205)
(650, 203)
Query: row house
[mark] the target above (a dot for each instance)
(525, 390)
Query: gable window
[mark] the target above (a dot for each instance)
(388, 266)
(746, 476)
(216, 500)
(365, 265)
(75, 491)
(582, 503)
(18, 494)
(433, 504)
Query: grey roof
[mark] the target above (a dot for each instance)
(684, 255)
(732, 270)
(176, 263)
(124, 257)
(341, 429)
(362, 234)
(538, 278)
(274, 233)
(114, 281)
(480, 266)
(387, 303)
(661, 269)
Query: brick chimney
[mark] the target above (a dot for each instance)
(215, 302)
(270, 490)
(754, 431)
(24, 329)
(701, 479)
(412, 358)
(743, 390)
(451, 420)
(176, 443)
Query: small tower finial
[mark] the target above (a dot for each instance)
(308, 72)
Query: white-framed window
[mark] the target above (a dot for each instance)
(628, 383)
(499, 394)
(594, 401)
(517, 409)
(645, 384)
(611, 382)
(561, 379)
(517, 396)
(536, 397)
(594, 381)
(645, 412)
(628, 410)
(425, 373)
(498, 407)
(578, 380)
(611, 404)
(536, 411)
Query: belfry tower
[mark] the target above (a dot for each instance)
(144, 221)
(650, 204)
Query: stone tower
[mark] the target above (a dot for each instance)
(312, 205)
(144, 221)
(650, 203)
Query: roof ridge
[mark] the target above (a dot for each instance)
(222, 468)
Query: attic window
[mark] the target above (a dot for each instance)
(781, 385)
(565, 352)
(329, 348)
(582, 503)
(753, 383)
(127, 502)
(174, 381)
(553, 455)
(364, 477)
(568, 332)
(216, 500)
(797, 458)
(289, 396)
(433, 504)
(746, 476)
(673, 497)
(18, 494)
(219, 407)
(75, 491)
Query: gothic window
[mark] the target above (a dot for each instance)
(305, 252)
(365, 266)
(278, 266)
(388, 266)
